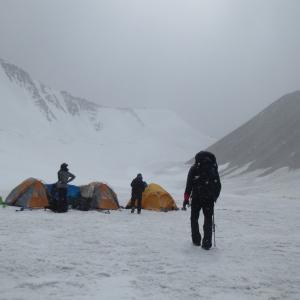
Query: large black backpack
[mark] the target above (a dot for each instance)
(82, 203)
(206, 180)
(52, 196)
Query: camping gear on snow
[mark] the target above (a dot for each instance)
(82, 204)
(85, 199)
(73, 192)
(31, 193)
(156, 198)
(2, 202)
(99, 195)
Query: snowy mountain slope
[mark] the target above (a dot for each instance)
(41, 127)
(269, 141)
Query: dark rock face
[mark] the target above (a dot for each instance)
(268, 141)
(57, 104)
(23, 79)
(76, 104)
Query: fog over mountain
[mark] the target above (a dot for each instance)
(216, 62)
(41, 127)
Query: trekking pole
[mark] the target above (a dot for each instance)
(214, 228)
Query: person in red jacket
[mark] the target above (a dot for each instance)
(203, 186)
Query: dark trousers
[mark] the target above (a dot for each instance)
(62, 205)
(208, 210)
(139, 201)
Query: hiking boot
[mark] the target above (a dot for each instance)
(206, 245)
(139, 211)
(196, 240)
(197, 243)
(132, 210)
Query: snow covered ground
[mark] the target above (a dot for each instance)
(92, 255)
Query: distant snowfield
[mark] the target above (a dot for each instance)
(92, 255)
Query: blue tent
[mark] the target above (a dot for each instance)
(73, 192)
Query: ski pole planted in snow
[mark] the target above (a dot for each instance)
(214, 228)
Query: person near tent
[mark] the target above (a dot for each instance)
(64, 177)
(137, 188)
(203, 186)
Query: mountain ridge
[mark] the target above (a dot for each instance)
(268, 141)
(46, 98)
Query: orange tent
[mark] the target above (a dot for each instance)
(103, 196)
(31, 193)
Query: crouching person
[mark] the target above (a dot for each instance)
(64, 177)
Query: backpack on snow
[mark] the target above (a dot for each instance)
(82, 203)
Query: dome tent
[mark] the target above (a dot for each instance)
(156, 198)
(31, 193)
(73, 192)
(102, 196)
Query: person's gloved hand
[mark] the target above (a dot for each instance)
(186, 201)
(185, 204)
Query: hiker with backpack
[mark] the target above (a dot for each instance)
(203, 186)
(137, 188)
(64, 177)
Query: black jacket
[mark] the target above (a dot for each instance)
(138, 187)
(203, 181)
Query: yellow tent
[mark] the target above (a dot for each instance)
(156, 198)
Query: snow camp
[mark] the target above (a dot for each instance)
(34, 194)
(150, 150)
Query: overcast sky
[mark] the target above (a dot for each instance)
(216, 62)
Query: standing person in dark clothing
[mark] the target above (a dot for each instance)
(138, 186)
(64, 177)
(204, 186)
